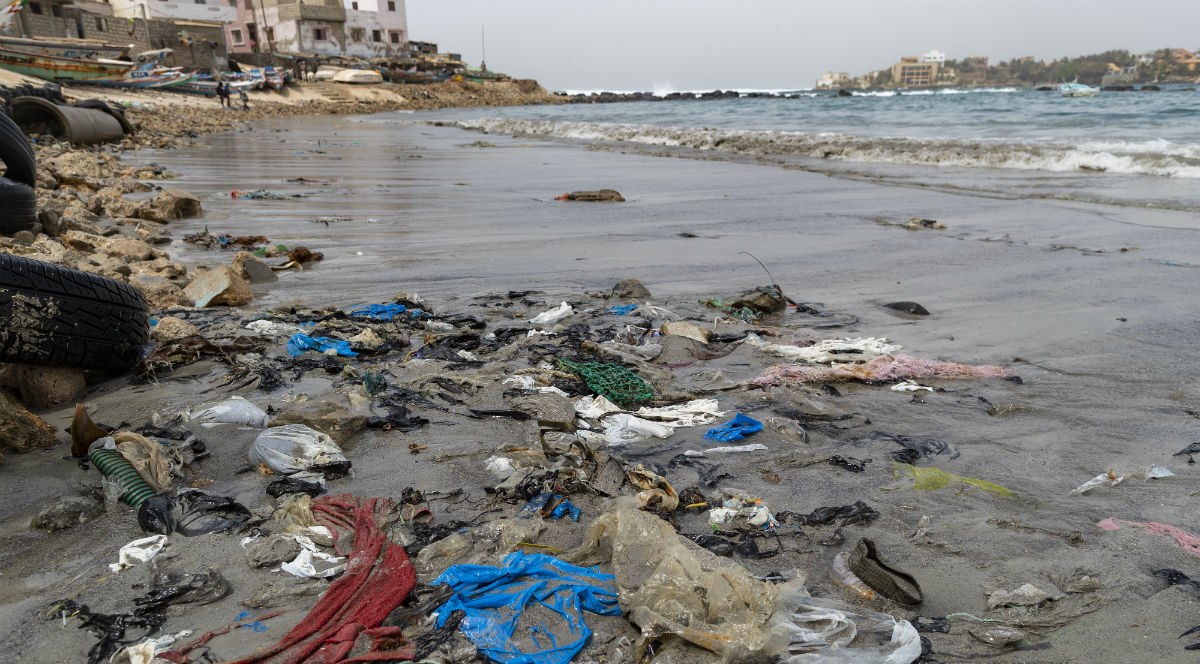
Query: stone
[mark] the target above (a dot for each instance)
(687, 330)
(271, 550)
(765, 300)
(21, 430)
(172, 204)
(23, 237)
(66, 512)
(252, 269)
(79, 168)
(997, 637)
(46, 387)
(550, 410)
(159, 293)
(908, 307)
(128, 248)
(599, 195)
(171, 328)
(220, 285)
(630, 289)
(330, 417)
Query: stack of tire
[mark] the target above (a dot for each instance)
(52, 315)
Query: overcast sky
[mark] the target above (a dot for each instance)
(774, 44)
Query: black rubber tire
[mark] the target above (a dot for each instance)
(56, 316)
(16, 153)
(18, 207)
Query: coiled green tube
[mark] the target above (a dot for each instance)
(114, 466)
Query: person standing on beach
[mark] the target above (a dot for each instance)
(244, 98)
(223, 93)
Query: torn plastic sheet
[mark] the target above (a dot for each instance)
(552, 506)
(139, 551)
(736, 429)
(622, 428)
(272, 328)
(301, 343)
(914, 447)
(191, 513)
(495, 598)
(145, 652)
(295, 448)
(527, 383)
(312, 563)
(385, 312)
(689, 414)
(932, 478)
(728, 449)
(234, 410)
(595, 407)
(827, 351)
(910, 386)
(552, 316)
(1111, 478)
(886, 368)
(826, 631)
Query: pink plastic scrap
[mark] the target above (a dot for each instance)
(884, 368)
(1186, 541)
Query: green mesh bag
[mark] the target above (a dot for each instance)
(612, 381)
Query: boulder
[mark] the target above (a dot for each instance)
(630, 289)
(172, 204)
(171, 328)
(21, 430)
(159, 293)
(597, 196)
(66, 512)
(220, 285)
(46, 387)
(128, 248)
(252, 269)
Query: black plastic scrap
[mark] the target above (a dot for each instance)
(849, 463)
(397, 419)
(743, 544)
(1174, 577)
(914, 447)
(282, 487)
(109, 628)
(844, 515)
(1194, 448)
(709, 476)
(191, 513)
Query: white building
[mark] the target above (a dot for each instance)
(360, 28)
(375, 28)
(934, 56)
(208, 11)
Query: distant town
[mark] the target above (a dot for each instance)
(1111, 68)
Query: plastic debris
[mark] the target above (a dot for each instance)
(826, 631)
(689, 414)
(552, 506)
(595, 407)
(191, 513)
(272, 328)
(234, 410)
(888, 581)
(1026, 595)
(146, 651)
(612, 381)
(139, 551)
(300, 343)
(827, 351)
(729, 449)
(910, 386)
(494, 599)
(622, 309)
(527, 383)
(623, 428)
(297, 448)
(932, 478)
(553, 316)
(842, 575)
(882, 369)
(738, 511)
(385, 312)
(312, 563)
(1111, 478)
(736, 429)
(914, 447)
(1186, 541)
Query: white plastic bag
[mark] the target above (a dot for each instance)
(295, 448)
(622, 428)
(139, 551)
(553, 316)
(234, 410)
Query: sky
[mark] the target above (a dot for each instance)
(649, 45)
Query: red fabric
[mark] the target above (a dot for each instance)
(378, 577)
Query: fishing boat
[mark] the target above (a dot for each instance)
(359, 76)
(15, 57)
(66, 47)
(150, 74)
(1076, 89)
(208, 86)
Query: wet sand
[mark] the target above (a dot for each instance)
(1090, 306)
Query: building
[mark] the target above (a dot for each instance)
(910, 72)
(934, 56)
(205, 11)
(361, 28)
(831, 80)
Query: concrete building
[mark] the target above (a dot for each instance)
(362, 28)
(831, 80)
(207, 11)
(910, 72)
(934, 56)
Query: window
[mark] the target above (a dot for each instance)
(320, 34)
(391, 5)
(394, 37)
(249, 5)
(200, 2)
(233, 3)
(100, 23)
(269, 33)
(237, 36)
(354, 6)
(356, 34)
(35, 7)
(376, 36)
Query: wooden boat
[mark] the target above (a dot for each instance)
(149, 74)
(66, 47)
(208, 86)
(59, 68)
(358, 76)
(1076, 89)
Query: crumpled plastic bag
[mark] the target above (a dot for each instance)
(312, 563)
(234, 410)
(689, 414)
(828, 351)
(828, 631)
(622, 428)
(300, 343)
(553, 316)
(667, 585)
(736, 429)
(139, 551)
(297, 448)
(190, 513)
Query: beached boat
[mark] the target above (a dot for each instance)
(60, 68)
(208, 87)
(358, 76)
(1075, 89)
(149, 74)
(66, 47)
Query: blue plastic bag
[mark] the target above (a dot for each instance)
(494, 598)
(562, 506)
(385, 311)
(622, 309)
(300, 343)
(736, 429)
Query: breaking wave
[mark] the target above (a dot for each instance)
(1157, 157)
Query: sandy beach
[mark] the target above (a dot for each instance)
(1089, 307)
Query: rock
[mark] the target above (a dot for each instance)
(128, 248)
(159, 293)
(252, 269)
(50, 222)
(271, 550)
(66, 512)
(21, 430)
(908, 308)
(171, 328)
(79, 168)
(46, 387)
(23, 237)
(172, 204)
(763, 300)
(918, 223)
(1026, 595)
(630, 289)
(330, 417)
(599, 195)
(550, 410)
(220, 285)
(685, 329)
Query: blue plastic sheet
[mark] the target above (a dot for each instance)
(494, 598)
(736, 429)
(301, 343)
(385, 311)
(622, 309)
(562, 506)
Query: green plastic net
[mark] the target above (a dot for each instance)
(612, 381)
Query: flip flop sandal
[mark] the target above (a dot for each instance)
(888, 581)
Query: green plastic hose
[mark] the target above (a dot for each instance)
(114, 466)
